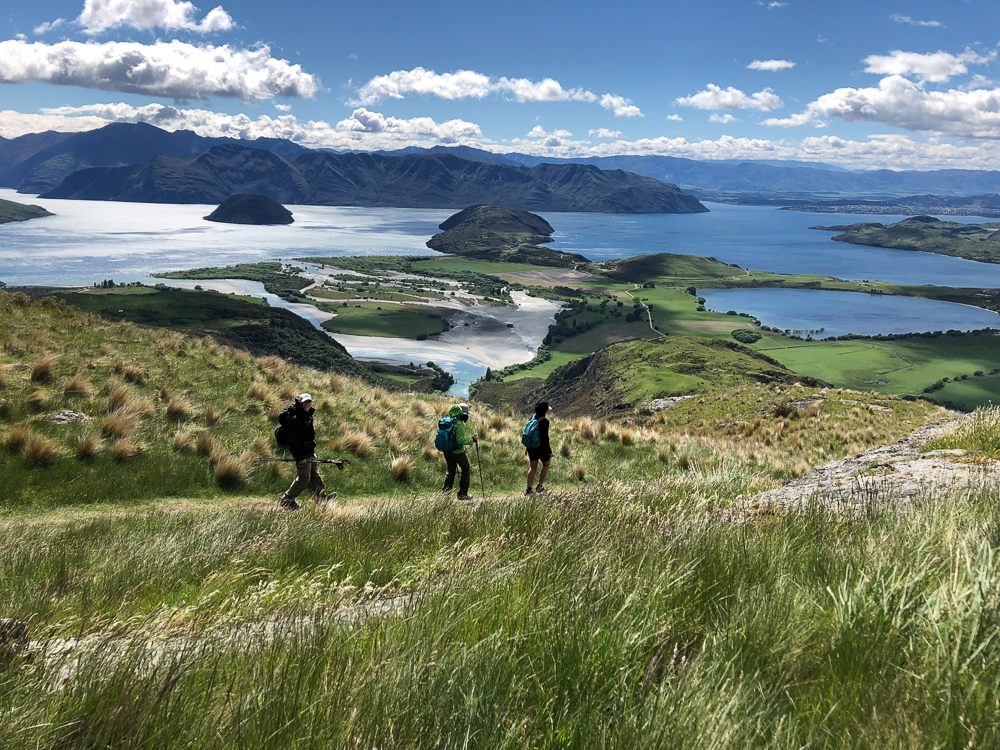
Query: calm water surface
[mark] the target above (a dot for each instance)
(840, 313)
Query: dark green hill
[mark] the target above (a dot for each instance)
(979, 242)
(11, 211)
(260, 329)
(501, 234)
(250, 209)
(643, 267)
(623, 376)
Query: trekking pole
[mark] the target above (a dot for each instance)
(479, 461)
(340, 462)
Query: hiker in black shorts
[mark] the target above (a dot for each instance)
(302, 444)
(536, 441)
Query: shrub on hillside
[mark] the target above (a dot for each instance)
(746, 336)
(43, 370)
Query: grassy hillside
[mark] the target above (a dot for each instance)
(621, 377)
(11, 211)
(629, 607)
(239, 322)
(979, 242)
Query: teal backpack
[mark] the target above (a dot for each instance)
(530, 437)
(445, 440)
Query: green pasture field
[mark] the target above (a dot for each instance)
(454, 264)
(908, 365)
(394, 321)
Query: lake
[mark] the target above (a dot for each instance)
(90, 241)
(839, 313)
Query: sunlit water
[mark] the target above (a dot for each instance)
(89, 241)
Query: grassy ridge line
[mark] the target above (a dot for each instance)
(979, 242)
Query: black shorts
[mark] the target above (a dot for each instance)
(537, 455)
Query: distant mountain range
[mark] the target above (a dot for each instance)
(327, 179)
(443, 176)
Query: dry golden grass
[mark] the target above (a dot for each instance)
(412, 430)
(664, 454)
(182, 440)
(336, 383)
(204, 444)
(420, 408)
(43, 371)
(88, 446)
(119, 366)
(565, 449)
(402, 468)
(134, 375)
(120, 397)
(41, 451)
(393, 441)
(288, 391)
(274, 409)
(121, 423)
(579, 471)
(373, 427)
(430, 453)
(179, 409)
(627, 437)
(231, 471)
(258, 392)
(586, 429)
(357, 443)
(38, 400)
(125, 448)
(77, 387)
(212, 415)
(16, 437)
(261, 448)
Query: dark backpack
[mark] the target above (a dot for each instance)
(530, 436)
(281, 436)
(445, 440)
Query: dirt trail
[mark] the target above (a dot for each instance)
(900, 473)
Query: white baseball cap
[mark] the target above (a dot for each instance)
(305, 397)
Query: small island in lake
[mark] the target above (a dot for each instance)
(250, 209)
(507, 235)
(11, 211)
(927, 234)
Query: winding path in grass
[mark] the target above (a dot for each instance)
(648, 313)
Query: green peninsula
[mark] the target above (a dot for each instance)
(980, 242)
(11, 211)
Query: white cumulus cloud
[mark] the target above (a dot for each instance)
(796, 120)
(45, 28)
(771, 65)
(902, 103)
(715, 97)
(675, 118)
(171, 15)
(898, 18)
(932, 67)
(722, 119)
(465, 84)
(169, 69)
(605, 133)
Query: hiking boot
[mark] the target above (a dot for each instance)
(540, 488)
(464, 497)
(323, 497)
(528, 491)
(287, 504)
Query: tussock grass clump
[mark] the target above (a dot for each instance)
(627, 437)
(566, 449)
(212, 415)
(121, 423)
(134, 375)
(664, 454)
(38, 400)
(88, 446)
(179, 409)
(980, 434)
(16, 437)
(204, 444)
(580, 472)
(77, 387)
(420, 408)
(119, 365)
(231, 471)
(586, 429)
(119, 398)
(393, 441)
(124, 449)
(412, 430)
(43, 370)
(402, 468)
(335, 383)
(358, 443)
(274, 409)
(288, 391)
(258, 392)
(41, 451)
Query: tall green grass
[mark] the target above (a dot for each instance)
(605, 624)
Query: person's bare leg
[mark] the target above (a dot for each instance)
(545, 471)
(531, 472)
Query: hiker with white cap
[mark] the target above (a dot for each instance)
(301, 441)
(535, 438)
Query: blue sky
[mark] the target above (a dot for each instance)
(860, 84)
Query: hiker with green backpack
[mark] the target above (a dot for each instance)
(451, 441)
(535, 438)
